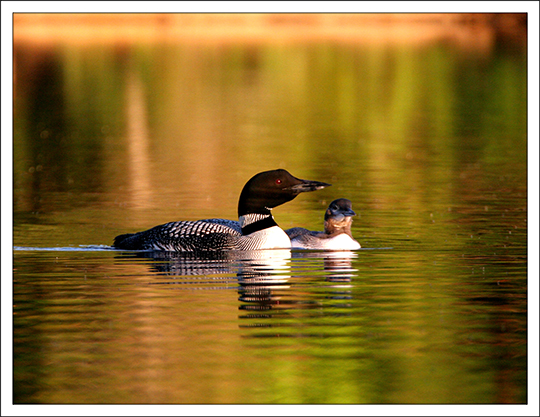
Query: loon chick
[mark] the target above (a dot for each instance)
(255, 228)
(337, 230)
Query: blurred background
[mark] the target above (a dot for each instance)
(126, 121)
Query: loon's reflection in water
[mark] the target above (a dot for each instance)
(272, 284)
(244, 267)
(263, 267)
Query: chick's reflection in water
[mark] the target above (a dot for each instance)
(337, 264)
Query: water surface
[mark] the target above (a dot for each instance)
(428, 142)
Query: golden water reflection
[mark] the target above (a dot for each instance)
(426, 135)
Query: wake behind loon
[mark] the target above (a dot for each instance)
(255, 229)
(337, 230)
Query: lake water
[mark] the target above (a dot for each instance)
(429, 142)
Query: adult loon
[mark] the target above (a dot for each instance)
(337, 230)
(255, 228)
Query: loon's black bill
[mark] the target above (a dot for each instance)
(307, 185)
(348, 213)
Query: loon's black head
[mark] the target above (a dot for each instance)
(270, 189)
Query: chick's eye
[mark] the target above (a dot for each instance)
(278, 181)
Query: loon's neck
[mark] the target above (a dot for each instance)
(253, 222)
(334, 228)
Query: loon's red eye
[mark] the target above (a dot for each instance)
(278, 181)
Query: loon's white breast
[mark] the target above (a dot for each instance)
(270, 238)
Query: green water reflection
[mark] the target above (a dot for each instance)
(428, 142)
